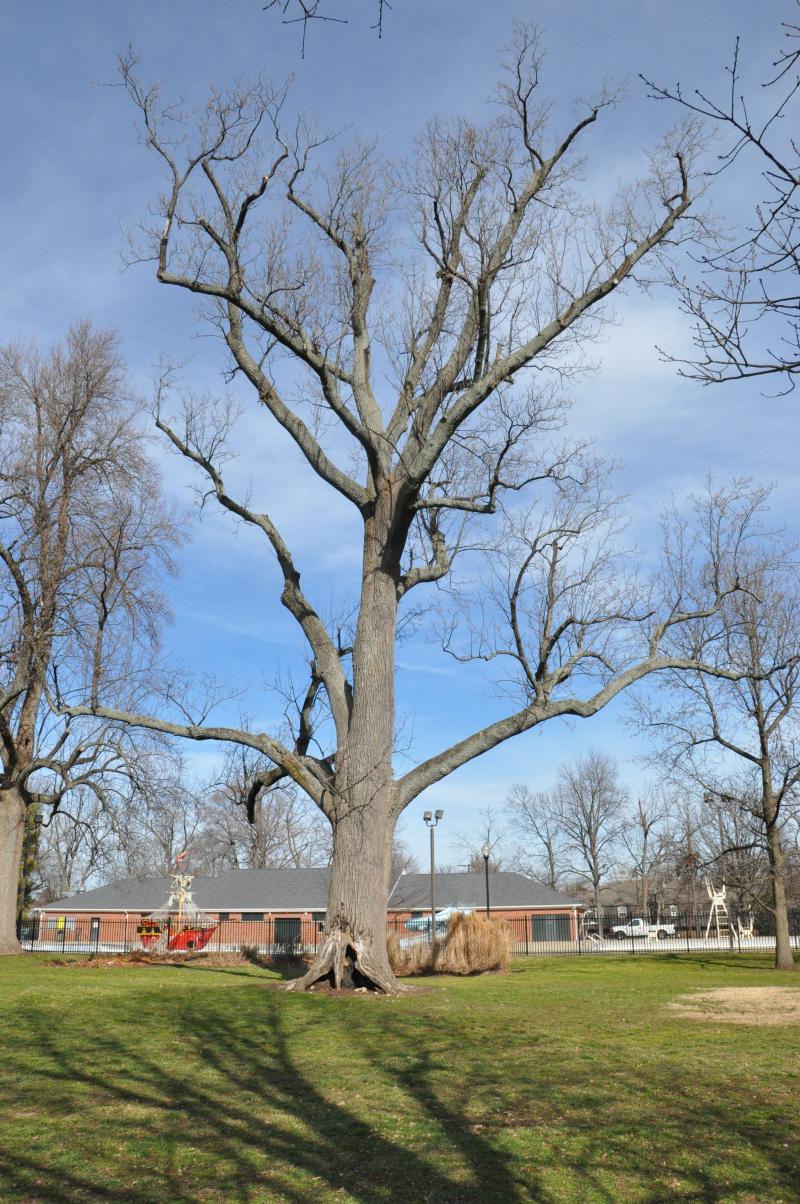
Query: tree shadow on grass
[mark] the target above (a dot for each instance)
(252, 1125)
(189, 1099)
(745, 961)
(662, 1133)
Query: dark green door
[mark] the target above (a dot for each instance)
(550, 928)
(287, 930)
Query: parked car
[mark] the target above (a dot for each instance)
(640, 928)
(423, 923)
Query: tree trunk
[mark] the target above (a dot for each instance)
(783, 945)
(598, 911)
(12, 831)
(352, 951)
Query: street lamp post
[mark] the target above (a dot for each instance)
(432, 819)
(486, 851)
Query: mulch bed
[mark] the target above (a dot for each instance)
(102, 961)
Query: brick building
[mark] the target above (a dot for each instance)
(265, 907)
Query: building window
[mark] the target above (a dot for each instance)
(622, 912)
(223, 915)
(256, 916)
(318, 917)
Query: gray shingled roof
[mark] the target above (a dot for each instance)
(307, 890)
(506, 889)
(236, 890)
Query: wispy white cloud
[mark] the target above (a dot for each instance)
(418, 667)
(213, 619)
(63, 262)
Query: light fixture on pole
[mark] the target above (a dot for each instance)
(432, 819)
(486, 851)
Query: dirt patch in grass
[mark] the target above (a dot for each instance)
(761, 1006)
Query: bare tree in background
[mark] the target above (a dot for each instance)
(135, 825)
(82, 527)
(161, 818)
(248, 825)
(403, 860)
(746, 304)
(647, 836)
(739, 742)
(74, 846)
(686, 855)
(491, 834)
(731, 840)
(534, 821)
(589, 808)
(429, 315)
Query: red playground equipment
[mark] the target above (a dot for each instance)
(180, 926)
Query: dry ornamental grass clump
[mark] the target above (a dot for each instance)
(474, 944)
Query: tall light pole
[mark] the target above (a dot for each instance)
(486, 851)
(432, 819)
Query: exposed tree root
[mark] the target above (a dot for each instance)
(344, 961)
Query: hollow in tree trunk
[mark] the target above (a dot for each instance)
(12, 831)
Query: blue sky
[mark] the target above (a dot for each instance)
(74, 176)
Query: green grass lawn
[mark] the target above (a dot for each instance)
(567, 1079)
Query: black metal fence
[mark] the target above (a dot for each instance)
(294, 936)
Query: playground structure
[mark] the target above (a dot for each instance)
(178, 927)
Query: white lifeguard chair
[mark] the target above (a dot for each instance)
(745, 927)
(718, 910)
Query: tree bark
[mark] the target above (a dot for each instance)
(784, 959)
(598, 911)
(353, 949)
(353, 952)
(12, 831)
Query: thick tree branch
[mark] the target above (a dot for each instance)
(292, 596)
(446, 762)
(304, 772)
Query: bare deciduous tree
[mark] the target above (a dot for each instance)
(81, 525)
(730, 836)
(491, 836)
(745, 305)
(430, 314)
(74, 846)
(647, 835)
(739, 740)
(589, 806)
(403, 860)
(534, 820)
(269, 828)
